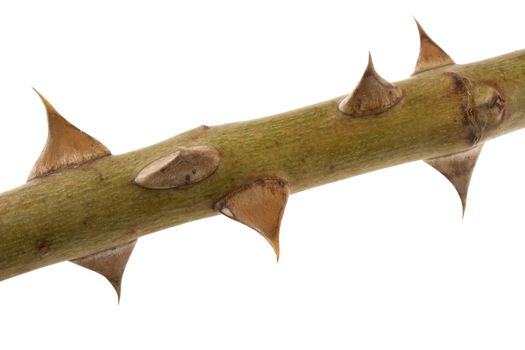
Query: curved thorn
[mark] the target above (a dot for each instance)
(458, 168)
(260, 206)
(110, 263)
(66, 145)
(430, 54)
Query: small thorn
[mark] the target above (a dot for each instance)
(430, 54)
(185, 166)
(458, 168)
(372, 95)
(110, 263)
(66, 145)
(259, 205)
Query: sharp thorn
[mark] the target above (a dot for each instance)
(259, 205)
(430, 54)
(373, 94)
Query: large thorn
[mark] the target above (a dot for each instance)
(458, 169)
(181, 168)
(259, 205)
(66, 145)
(372, 95)
(110, 263)
(430, 54)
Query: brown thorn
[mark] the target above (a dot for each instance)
(430, 54)
(373, 94)
(110, 263)
(260, 206)
(66, 145)
(458, 168)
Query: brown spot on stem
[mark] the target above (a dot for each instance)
(42, 246)
(132, 231)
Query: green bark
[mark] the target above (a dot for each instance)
(76, 212)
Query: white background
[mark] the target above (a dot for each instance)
(379, 261)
